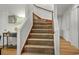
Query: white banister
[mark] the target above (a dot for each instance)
(24, 30)
(22, 35)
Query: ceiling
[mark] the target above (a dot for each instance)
(61, 8)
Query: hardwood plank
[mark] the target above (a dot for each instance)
(8, 51)
(67, 49)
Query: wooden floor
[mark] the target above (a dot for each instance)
(67, 49)
(8, 51)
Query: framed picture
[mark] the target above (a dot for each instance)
(12, 19)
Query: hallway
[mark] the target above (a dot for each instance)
(37, 28)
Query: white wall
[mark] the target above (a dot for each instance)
(46, 6)
(66, 25)
(6, 10)
(60, 24)
(43, 13)
(70, 25)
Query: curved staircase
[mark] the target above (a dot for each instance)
(40, 40)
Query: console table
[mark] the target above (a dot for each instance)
(0, 50)
(7, 35)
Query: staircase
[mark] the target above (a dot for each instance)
(40, 40)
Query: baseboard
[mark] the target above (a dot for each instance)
(68, 41)
(61, 37)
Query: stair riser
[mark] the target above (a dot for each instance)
(42, 31)
(42, 23)
(36, 19)
(42, 36)
(42, 27)
(39, 50)
(42, 20)
(36, 42)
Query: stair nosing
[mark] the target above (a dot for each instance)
(30, 53)
(38, 46)
(41, 39)
(43, 25)
(42, 29)
(41, 22)
(41, 34)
